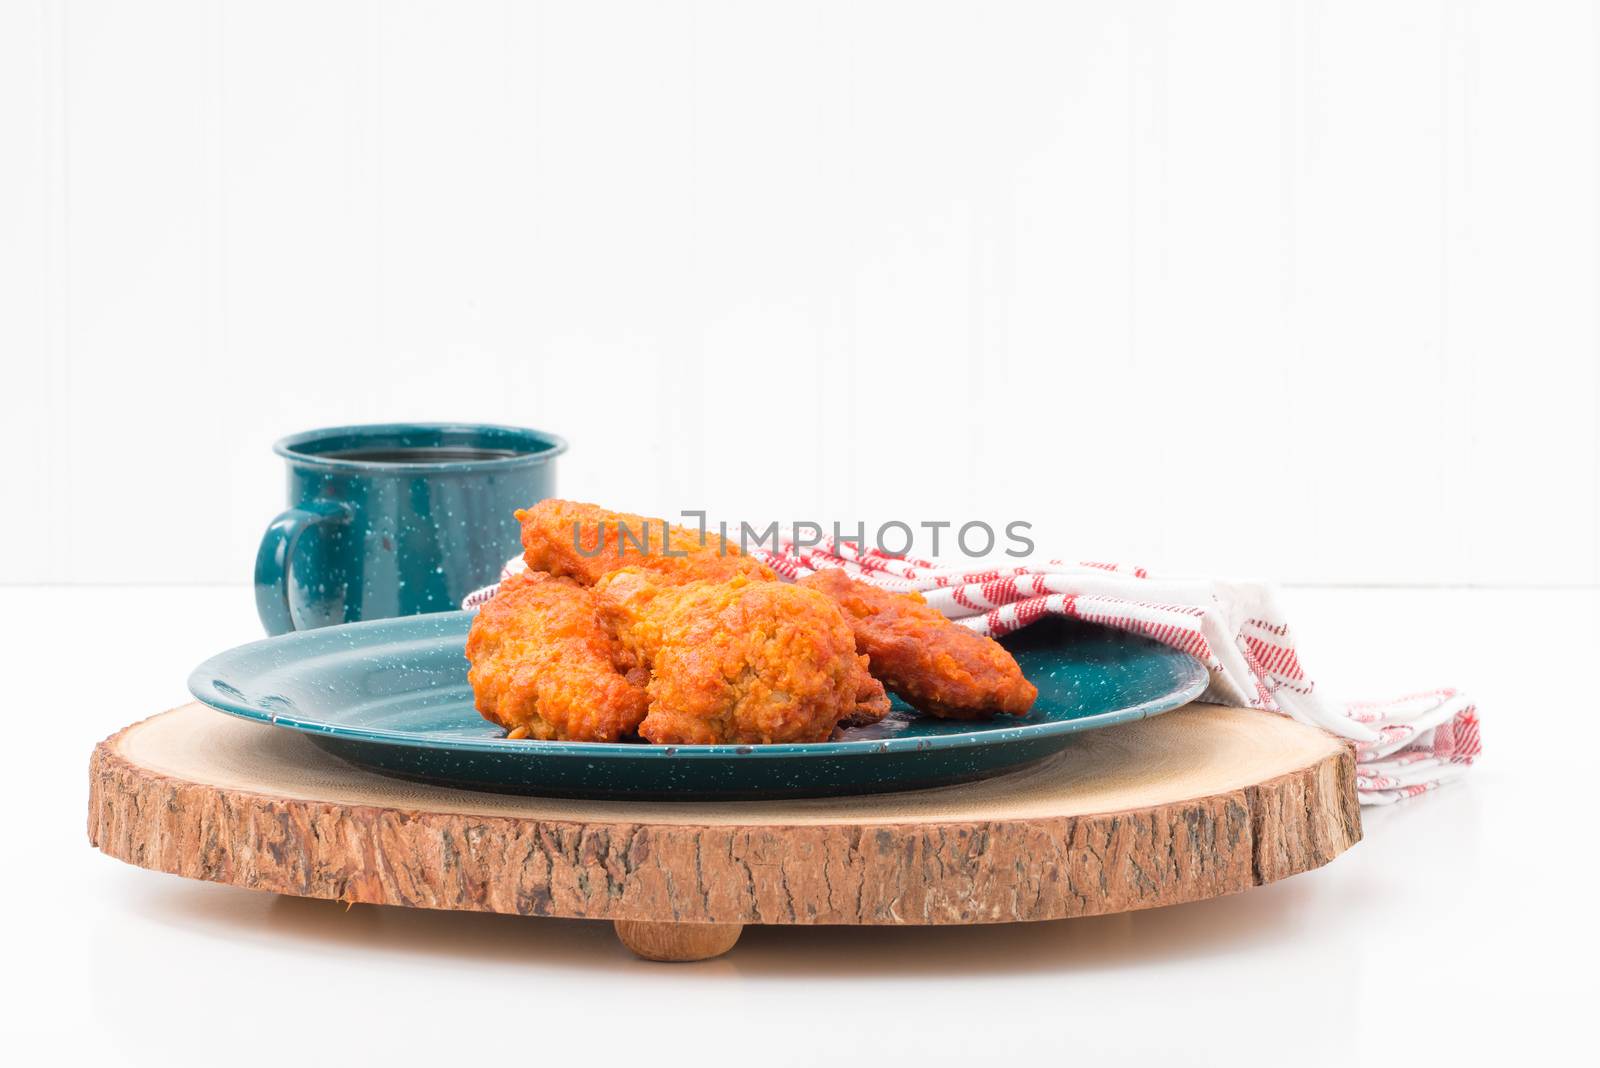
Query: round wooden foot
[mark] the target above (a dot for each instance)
(678, 941)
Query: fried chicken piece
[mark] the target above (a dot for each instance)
(742, 661)
(587, 542)
(937, 666)
(546, 665)
(872, 700)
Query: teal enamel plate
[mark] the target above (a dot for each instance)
(391, 695)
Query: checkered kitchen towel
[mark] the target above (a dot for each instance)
(1404, 747)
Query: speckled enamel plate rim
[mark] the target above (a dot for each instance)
(373, 638)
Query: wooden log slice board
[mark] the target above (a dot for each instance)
(1193, 804)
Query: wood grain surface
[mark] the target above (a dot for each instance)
(1197, 803)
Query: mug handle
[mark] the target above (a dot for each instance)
(277, 550)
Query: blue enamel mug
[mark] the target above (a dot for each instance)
(396, 519)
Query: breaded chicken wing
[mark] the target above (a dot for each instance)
(546, 665)
(742, 661)
(587, 542)
(937, 666)
(872, 700)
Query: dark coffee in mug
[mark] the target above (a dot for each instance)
(438, 454)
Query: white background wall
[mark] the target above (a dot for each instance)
(1288, 288)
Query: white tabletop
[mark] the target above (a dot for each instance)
(1461, 925)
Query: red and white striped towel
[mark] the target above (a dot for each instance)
(1404, 747)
